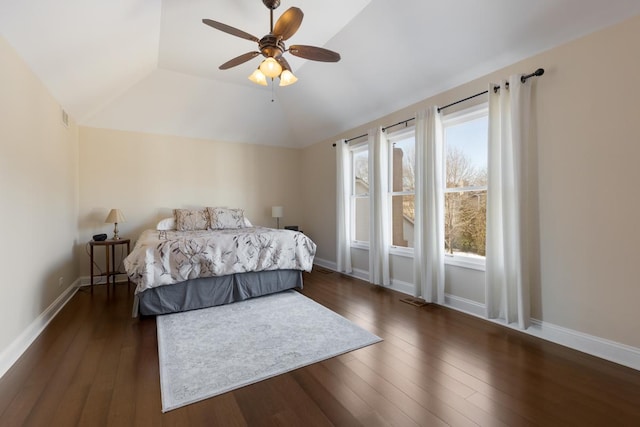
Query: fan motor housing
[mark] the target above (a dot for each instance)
(271, 4)
(271, 46)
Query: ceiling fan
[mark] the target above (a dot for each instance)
(272, 47)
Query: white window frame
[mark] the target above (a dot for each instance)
(449, 120)
(353, 149)
(392, 137)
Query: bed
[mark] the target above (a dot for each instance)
(213, 263)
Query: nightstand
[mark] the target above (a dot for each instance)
(110, 256)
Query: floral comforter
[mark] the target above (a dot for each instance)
(167, 257)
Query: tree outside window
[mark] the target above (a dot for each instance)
(466, 186)
(402, 186)
(360, 194)
(465, 192)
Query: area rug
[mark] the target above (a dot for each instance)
(211, 351)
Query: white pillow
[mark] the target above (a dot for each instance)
(166, 224)
(247, 223)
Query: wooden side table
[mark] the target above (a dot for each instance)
(110, 260)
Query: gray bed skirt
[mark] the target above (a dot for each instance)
(210, 291)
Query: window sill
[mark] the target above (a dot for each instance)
(455, 260)
(360, 245)
(400, 251)
(465, 262)
(393, 250)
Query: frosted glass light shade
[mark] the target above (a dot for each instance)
(287, 78)
(258, 77)
(270, 68)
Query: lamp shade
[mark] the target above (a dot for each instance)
(258, 77)
(115, 216)
(287, 78)
(277, 211)
(270, 68)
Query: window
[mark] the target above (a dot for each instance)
(465, 193)
(360, 194)
(402, 187)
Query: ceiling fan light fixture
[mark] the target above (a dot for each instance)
(287, 78)
(258, 77)
(270, 68)
(272, 46)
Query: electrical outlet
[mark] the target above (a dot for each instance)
(60, 281)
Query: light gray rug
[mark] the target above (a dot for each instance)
(208, 352)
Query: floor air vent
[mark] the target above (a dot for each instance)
(417, 302)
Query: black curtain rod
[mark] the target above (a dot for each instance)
(463, 100)
(404, 122)
(536, 73)
(346, 141)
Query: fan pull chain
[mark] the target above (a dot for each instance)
(273, 86)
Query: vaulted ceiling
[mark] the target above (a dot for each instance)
(152, 66)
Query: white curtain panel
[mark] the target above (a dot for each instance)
(429, 207)
(379, 234)
(343, 207)
(507, 286)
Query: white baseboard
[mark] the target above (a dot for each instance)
(465, 305)
(12, 353)
(356, 272)
(605, 349)
(595, 346)
(396, 285)
(326, 264)
(86, 280)
(404, 287)
(359, 274)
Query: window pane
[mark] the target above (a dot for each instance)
(403, 217)
(465, 222)
(403, 167)
(362, 219)
(361, 172)
(466, 153)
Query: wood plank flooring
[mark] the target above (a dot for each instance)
(94, 365)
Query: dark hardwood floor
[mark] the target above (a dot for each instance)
(95, 365)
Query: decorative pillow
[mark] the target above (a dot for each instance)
(191, 219)
(166, 224)
(222, 218)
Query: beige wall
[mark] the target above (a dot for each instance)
(319, 183)
(38, 196)
(584, 229)
(148, 175)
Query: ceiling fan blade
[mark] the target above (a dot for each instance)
(288, 23)
(314, 53)
(230, 30)
(238, 60)
(283, 63)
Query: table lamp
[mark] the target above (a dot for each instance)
(115, 216)
(277, 212)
